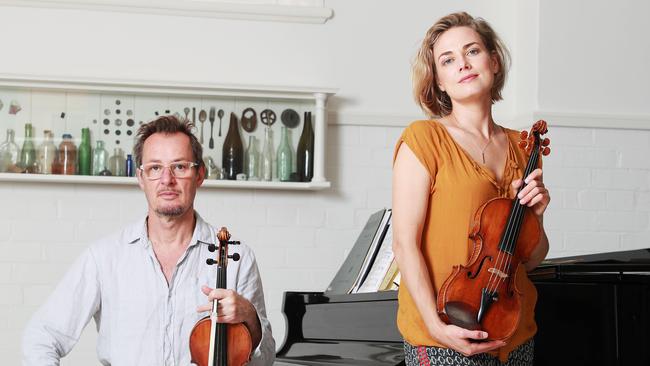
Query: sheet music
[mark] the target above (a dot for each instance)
(382, 262)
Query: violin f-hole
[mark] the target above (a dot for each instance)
(473, 276)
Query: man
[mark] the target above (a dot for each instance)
(147, 286)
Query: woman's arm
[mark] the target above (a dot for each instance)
(411, 185)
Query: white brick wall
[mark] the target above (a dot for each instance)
(599, 203)
(600, 182)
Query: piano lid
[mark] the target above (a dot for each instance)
(629, 261)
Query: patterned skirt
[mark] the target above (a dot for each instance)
(436, 356)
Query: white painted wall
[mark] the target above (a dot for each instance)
(600, 179)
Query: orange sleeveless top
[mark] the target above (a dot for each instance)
(459, 186)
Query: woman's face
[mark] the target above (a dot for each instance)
(465, 69)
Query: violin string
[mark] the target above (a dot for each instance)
(504, 258)
(518, 215)
(534, 160)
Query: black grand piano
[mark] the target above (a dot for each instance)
(592, 310)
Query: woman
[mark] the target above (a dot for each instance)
(444, 170)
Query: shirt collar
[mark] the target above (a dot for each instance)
(203, 232)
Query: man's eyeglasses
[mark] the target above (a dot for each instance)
(179, 169)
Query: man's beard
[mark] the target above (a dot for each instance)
(170, 211)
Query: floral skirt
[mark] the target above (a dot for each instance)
(436, 356)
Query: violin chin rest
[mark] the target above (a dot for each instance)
(462, 315)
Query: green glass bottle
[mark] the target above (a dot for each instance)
(305, 153)
(85, 153)
(232, 157)
(284, 156)
(28, 152)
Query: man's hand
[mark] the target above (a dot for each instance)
(233, 308)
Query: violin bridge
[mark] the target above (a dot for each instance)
(498, 272)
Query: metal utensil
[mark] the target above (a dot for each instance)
(211, 144)
(220, 114)
(268, 117)
(187, 112)
(202, 116)
(290, 118)
(249, 119)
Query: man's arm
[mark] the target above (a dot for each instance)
(56, 327)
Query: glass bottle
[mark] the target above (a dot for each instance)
(266, 162)
(100, 158)
(252, 160)
(284, 157)
(66, 158)
(128, 167)
(305, 152)
(9, 152)
(116, 163)
(46, 153)
(85, 153)
(211, 171)
(28, 152)
(233, 150)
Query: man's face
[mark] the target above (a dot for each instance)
(169, 196)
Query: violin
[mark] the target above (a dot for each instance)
(482, 295)
(220, 344)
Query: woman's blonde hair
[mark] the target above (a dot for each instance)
(432, 100)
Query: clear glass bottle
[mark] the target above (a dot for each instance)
(252, 160)
(85, 153)
(284, 157)
(116, 163)
(66, 157)
(46, 153)
(28, 152)
(100, 158)
(9, 152)
(266, 162)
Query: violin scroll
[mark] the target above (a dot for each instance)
(528, 138)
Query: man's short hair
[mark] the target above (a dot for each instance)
(168, 125)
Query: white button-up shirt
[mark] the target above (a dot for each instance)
(141, 319)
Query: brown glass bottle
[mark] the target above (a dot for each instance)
(233, 151)
(305, 152)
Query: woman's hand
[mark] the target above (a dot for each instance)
(534, 194)
(467, 342)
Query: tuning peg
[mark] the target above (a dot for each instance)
(210, 261)
(524, 135)
(212, 247)
(236, 242)
(234, 257)
(546, 151)
(523, 144)
(546, 142)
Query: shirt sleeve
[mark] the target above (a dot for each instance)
(249, 285)
(425, 142)
(56, 327)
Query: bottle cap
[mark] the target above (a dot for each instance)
(67, 136)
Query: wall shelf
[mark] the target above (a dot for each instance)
(132, 181)
(65, 105)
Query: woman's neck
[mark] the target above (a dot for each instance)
(476, 119)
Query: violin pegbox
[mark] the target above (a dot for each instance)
(528, 138)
